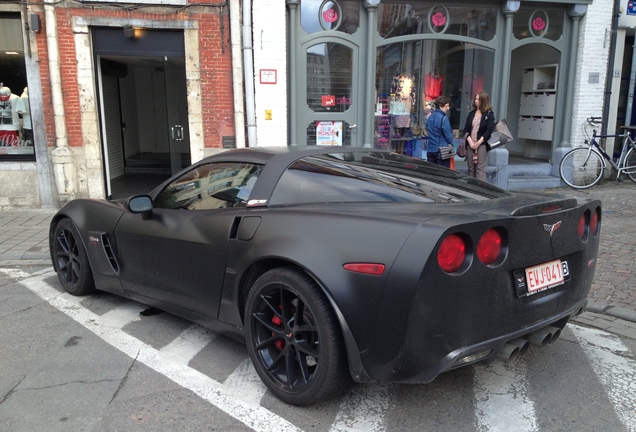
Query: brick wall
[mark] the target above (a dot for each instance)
(214, 55)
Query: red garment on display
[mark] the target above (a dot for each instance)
(474, 83)
(433, 85)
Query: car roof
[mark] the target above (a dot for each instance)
(275, 160)
(286, 154)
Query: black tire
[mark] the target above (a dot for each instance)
(630, 164)
(293, 338)
(581, 168)
(70, 260)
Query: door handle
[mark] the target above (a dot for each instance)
(353, 128)
(177, 132)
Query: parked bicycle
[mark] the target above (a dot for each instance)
(583, 167)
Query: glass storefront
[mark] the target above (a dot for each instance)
(16, 132)
(411, 74)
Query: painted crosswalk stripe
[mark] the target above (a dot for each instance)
(501, 389)
(609, 359)
(188, 344)
(255, 417)
(364, 409)
(245, 383)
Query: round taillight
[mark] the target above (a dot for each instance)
(594, 223)
(489, 246)
(581, 227)
(452, 253)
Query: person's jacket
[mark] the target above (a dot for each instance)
(486, 124)
(439, 131)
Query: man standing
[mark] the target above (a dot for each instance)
(439, 130)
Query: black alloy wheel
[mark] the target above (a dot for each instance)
(70, 260)
(294, 339)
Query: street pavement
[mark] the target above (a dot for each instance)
(612, 299)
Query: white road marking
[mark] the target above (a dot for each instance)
(364, 409)
(118, 317)
(245, 383)
(500, 391)
(15, 274)
(255, 417)
(188, 344)
(617, 372)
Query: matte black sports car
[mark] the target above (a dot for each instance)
(337, 263)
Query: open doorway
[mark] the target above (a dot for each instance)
(143, 110)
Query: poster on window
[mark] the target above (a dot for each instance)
(329, 133)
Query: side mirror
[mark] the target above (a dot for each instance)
(140, 204)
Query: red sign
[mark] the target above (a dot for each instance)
(328, 100)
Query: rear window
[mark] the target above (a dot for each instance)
(376, 177)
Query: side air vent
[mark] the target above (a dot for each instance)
(110, 254)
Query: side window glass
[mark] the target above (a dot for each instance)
(210, 186)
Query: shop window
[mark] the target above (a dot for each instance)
(334, 93)
(321, 15)
(16, 135)
(538, 23)
(397, 18)
(411, 75)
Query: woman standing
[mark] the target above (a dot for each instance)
(439, 131)
(479, 126)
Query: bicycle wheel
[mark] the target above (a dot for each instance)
(581, 168)
(630, 164)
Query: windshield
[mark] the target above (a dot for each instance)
(376, 177)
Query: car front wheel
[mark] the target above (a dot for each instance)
(293, 338)
(70, 260)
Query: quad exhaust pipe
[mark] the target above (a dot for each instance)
(517, 347)
(544, 336)
(513, 349)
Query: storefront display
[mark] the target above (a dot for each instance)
(16, 136)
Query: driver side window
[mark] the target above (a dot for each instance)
(210, 186)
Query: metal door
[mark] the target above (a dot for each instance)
(177, 116)
(329, 95)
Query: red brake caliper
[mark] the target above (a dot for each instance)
(280, 344)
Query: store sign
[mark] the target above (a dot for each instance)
(149, 2)
(328, 100)
(627, 17)
(328, 133)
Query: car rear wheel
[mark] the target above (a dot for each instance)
(70, 260)
(293, 338)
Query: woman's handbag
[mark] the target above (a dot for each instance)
(461, 148)
(500, 136)
(447, 152)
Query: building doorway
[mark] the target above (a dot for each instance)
(143, 112)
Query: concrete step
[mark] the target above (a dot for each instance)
(530, 169)
(528, 182)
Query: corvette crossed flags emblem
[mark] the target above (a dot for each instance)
(551, 228)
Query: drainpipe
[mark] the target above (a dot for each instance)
(610, 69)
(62, 155)
(248, 62)
(237, 73)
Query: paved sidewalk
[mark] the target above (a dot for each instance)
(612, 299)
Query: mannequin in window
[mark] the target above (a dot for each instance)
(401, 104)
(24, 110)
(9, 118)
